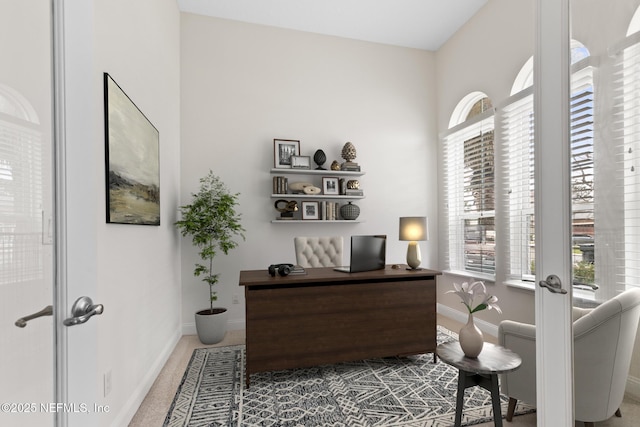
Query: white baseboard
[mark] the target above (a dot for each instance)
(459, 316)
(133, 403)
(633, 388)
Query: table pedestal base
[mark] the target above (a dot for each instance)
(486, 381)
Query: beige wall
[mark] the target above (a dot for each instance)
(244, 85)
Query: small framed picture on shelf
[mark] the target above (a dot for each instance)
(310, 210)
(300, 162)
(330, 185)
(283, 150)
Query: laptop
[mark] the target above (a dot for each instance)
(367, 253)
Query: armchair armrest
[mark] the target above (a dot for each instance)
(521, 339)
(517, 330)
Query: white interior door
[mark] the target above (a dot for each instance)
(554, 343)
(26, 223)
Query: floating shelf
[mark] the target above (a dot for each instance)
(327, 172)
(307, 221)
(315, 196)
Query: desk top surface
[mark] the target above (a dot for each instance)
(328, 275)
(493, 359)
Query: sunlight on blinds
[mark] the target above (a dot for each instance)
(470, 195)
(20, 195)
(626, 134)
(515, 124)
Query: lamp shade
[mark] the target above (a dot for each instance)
(413, 228)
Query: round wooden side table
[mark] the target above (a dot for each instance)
(481, 371)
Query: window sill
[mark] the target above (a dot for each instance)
(470, 276)
(520, 284)
(580, 296)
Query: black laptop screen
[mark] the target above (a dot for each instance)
(368, 253)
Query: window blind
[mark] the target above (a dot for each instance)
(516, 157)
(20, 201)
(468, 160)
(581, 113)
(625, 136)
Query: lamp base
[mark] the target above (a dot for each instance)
(413, 256)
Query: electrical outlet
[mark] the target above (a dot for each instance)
(107, 383)
(235, 299)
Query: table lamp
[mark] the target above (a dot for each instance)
(413, 229)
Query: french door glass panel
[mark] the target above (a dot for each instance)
(26, 228)
(605, 140)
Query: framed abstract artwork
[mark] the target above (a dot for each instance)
(132, 157)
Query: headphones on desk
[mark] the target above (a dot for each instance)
(281, 269)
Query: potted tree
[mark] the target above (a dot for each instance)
(212, 222)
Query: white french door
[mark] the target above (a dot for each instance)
(554, 343)
(27, 358)
(47, 365)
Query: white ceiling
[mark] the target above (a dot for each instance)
(421, 24)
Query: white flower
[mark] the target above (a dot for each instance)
(468, 293)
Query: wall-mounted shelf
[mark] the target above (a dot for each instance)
(324, 221)
(328, 172)
(326, 205)
(314, 196)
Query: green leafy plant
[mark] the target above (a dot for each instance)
(584, 272)
(212, 222)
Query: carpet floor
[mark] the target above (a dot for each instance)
(409, 392)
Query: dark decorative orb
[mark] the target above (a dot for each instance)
(350, 211)
(319, 157)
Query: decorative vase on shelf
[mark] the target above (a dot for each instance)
(349, 211)
(471, 339)
(319, 157)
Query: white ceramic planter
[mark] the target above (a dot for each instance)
(211, 328)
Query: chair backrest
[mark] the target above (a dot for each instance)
(603, 348)
(318, 251)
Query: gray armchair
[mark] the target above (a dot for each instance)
(318, 251)
(603, 346)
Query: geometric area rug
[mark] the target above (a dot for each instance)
(408, 391)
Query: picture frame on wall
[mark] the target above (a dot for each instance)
(310, 210)
(330, 185)
(301, 162)
(283, 150)
(132, 160)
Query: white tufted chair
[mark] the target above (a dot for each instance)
(318, 251)
(603, 346)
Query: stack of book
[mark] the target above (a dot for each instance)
(329, 211)
(350, 167)
(354, 192)
(297, 269)
(280, 185)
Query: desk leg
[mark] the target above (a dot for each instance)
(462, 385)
(495, 401)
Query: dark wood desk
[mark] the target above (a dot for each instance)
(327, 316)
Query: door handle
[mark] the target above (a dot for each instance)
(553, 284)
(22, 322)
(82, 310)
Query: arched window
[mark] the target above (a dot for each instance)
(634, 25)
(515, 120)
(468, 151)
